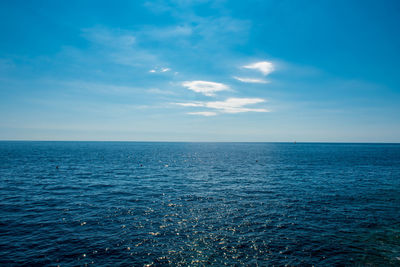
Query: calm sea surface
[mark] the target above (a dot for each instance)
(129, 203)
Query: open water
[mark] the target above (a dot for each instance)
(134, 203)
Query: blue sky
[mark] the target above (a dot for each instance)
(200, 70)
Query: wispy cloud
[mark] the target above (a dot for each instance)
(205, 87)
(111, 38)
(119, 46)
(264, 67)
(95, 87)
(162, 33)
(250, 80)
(203, 113)
(230, 105)
(160, 92)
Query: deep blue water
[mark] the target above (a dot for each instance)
(130, 203)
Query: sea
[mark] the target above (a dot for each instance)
(199, 204)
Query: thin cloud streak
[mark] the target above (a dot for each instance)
(250, 80)
(230, 105)
(203, 113)
(199, 104)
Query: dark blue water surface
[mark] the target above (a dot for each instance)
(130, 203)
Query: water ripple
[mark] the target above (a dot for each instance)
(113, 203)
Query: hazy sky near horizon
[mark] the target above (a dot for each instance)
(200, 70)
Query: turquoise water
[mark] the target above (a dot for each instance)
(132, 203)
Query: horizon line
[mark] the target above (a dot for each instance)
(165, 141)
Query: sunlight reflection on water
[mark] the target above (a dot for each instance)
(199, 203)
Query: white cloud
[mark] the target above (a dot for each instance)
(204, 87)
(230, 105)
(203, 113)
(159, 70)
(264, 67)
(250, 80)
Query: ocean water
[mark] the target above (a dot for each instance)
(134, 203)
